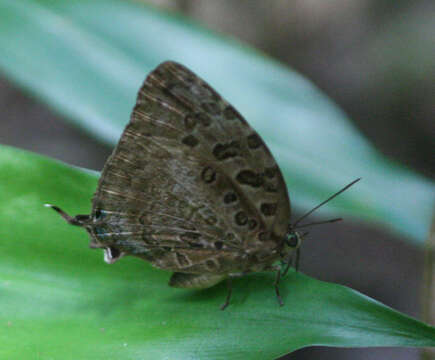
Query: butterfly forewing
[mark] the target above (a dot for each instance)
(190, 186)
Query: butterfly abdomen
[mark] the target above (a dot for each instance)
(195, 281)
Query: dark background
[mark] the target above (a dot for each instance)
(375, 58)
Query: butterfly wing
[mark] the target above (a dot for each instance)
(191, 186)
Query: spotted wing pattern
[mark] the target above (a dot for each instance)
(191, 187)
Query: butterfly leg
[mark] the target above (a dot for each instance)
(200, 281)
(230, 290)
(276, 283)
(296, 259)
(287, 265)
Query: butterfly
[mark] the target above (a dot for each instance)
(192, 188)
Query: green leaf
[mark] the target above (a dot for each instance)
(88, 58)
(58, 299)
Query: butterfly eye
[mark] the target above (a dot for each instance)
(292, 240)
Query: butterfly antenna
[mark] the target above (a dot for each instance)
(324, 202)
(319, 222)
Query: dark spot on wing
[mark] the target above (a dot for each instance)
(190, 140)
(268, 209)
(241, 218)
(230, 113)
(248, 177)
(230, 197)
(254, 141)
(208, 175)
(218, 245)
(226, 151)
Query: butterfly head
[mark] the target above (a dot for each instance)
(292, 241)
(293, 238)
(291, 249)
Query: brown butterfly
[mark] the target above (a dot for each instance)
(193, 189)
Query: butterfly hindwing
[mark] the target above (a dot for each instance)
(190, 182)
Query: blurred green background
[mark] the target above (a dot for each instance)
(375, 59)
